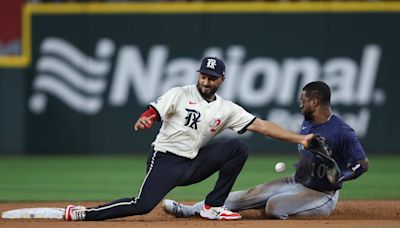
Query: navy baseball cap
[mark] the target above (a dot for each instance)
(212, 66)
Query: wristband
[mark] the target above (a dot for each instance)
(149, 112)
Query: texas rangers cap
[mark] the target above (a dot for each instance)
(212, 66)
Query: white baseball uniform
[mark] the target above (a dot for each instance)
(189, 121)
(179, 155)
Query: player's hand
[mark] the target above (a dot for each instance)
(307, 140)
(144, 122)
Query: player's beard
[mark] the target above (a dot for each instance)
(209, 94)
(307, 113)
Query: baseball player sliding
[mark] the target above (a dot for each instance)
(335, 157)
(179, 156)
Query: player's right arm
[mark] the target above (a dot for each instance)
(275, 131)
(146, 119)
(159, 109)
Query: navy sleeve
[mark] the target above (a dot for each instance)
(354, 156)
(351, 147)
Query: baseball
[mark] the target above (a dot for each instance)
(280, 167)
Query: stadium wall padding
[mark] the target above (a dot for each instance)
(93, 71)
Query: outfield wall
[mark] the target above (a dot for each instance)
(88, 70)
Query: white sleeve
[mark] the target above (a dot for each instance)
(166, 104)
(239, 119)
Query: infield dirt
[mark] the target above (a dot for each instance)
(378, 213)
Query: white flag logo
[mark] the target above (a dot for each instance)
(71, 76)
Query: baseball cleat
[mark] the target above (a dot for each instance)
(174, 208)
(74, 213)
(218, 213)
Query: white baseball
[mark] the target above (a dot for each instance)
(280, 167)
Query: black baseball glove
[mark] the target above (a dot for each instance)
(318, 145)
(320, 148)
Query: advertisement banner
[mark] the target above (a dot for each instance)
(93, 73)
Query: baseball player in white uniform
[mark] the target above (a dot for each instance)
(180, 155)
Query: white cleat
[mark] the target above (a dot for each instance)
(218, 213)
(174, 208)
(74, 213)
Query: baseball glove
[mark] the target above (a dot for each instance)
(320, 148)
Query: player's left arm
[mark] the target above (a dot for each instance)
(358, 164)
(275, 131)
(355, 170)
(240, 120)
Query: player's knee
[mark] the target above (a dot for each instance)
(147, 207)
(272, 210)
(143, 207)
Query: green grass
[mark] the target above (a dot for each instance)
(55, 178)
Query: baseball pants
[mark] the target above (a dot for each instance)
(166, 171)
(283, 198)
